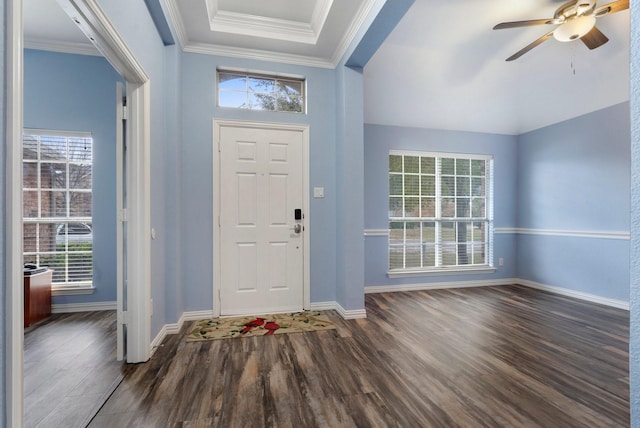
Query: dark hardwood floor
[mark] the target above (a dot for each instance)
(484, 357)
(70, 368)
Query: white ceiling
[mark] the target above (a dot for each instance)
(442, 67)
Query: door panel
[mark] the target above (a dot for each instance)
(260, 187)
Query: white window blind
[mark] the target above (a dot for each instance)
(440, 211)
(57, 199)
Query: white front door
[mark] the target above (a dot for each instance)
(261, 220)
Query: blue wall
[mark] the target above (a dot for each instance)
(380, 139)
(198, 112)
(77, 93)
(161, 64)
(634, 342)
(574, 177)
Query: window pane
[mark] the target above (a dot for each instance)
(30, 175)
(428, 206)
(477, 186)
(396, 233)
(233, 99)
(448, 232)
(478, 254)
(411, 164)
(289, 103)
(428, 165)
(80, 267)
(29, 235)
(411, 185)
(80, 204)
(261, 85)
(262, 101)
(57, 262)
(30, 147)
(449, 255)
(448, 207)
(80, 176)
(478, 232)
(478, 167)
(395, 207)
(80, 150)
(429, 232)
(395, 163)
(462, 186)
(428, 183)
(477, 208)
(447, 166)
(53, 148)
(395, 184)
(412, 207)
(462, 207)
(289, 88)
(462, 167)
(54, 204)
(413, 256)
(448, 186)
(428, 255)
(30, 204)
(396, 257)
(53, 175)
(47, 237)
(232, 81)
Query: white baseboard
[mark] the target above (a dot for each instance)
(510, 281)
(64, 308)
(347, 314)
(437, 285)
(620, 304)
(175, 328)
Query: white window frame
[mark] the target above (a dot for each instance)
(65, 287)
(438, 219)
(258, 75)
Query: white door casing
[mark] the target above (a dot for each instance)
(261, 260)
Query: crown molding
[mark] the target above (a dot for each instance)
(258, 55)
(176, 22)
(351, 32)
(62, 47)
(270, 28)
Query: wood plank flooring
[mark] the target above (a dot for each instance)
(70, 368)
(483, 357)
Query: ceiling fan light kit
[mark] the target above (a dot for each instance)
(576, 20)
(574, 28)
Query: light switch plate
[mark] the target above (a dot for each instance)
(318, 192)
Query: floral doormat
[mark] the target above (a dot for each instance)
(263, 325)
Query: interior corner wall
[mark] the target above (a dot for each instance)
(350, 198)
(634, 341)
(573, 204)
(77, 93)
(135, 25)
(3, 218)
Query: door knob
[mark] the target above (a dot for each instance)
(297, 228)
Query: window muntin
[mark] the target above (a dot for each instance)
(259, 92)
(440, 211)
(57, 199)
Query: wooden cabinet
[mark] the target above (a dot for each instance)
(37, 297)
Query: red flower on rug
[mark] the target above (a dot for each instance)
(252, 324)
(271, 327)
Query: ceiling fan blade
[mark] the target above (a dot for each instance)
(530, 46)
(530, 23)
(616, 6)
(594, 38)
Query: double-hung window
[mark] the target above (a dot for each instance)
(440, 211)
(57, 196)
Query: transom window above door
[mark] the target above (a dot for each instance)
(260, 92)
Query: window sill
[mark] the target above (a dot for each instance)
(407, 273)
(71, 290)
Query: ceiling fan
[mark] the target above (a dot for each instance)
(575, 19)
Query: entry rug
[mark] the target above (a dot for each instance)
(263, 325)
